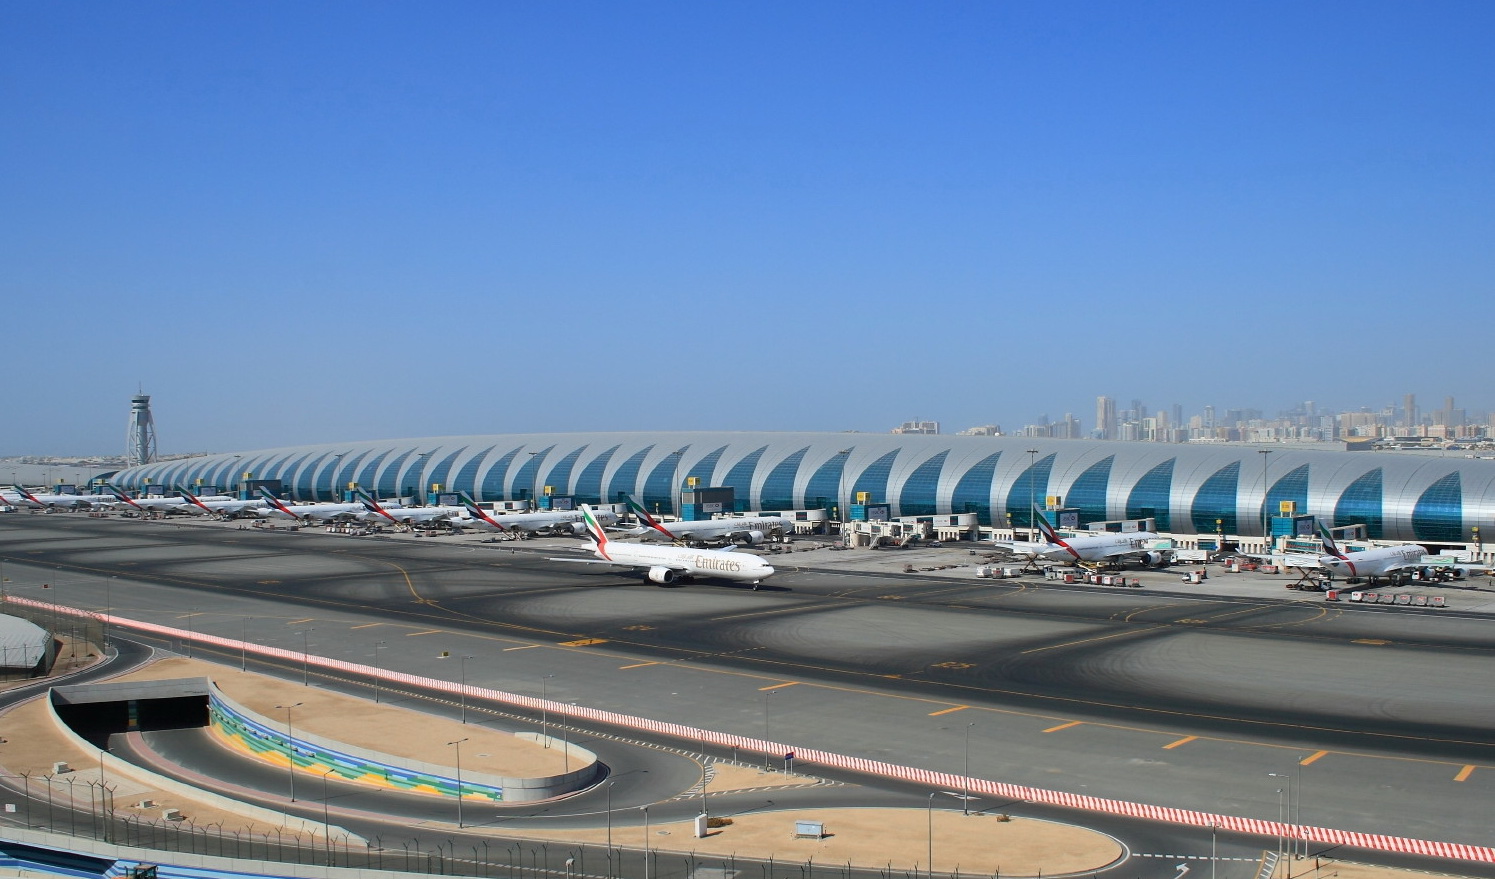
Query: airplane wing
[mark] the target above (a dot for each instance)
(1022, 548)
(679, 569)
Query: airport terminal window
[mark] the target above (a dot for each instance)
(824, 487)
(973, 491)
(1088, 492)
(387, 483)
(874, 479)
(1152, 494)
(283, 470)
(525, 479)
(1361, 504)
(1030, 487)
(778, 488)
(1216, 499)
(920, 489)
(302, 480)
(437, 474)
(492, 488)
(740, 477)
(704, 469)
(660, 487)
(560, 474)
(467, 477)
(589, 483)
(625, 481)
(366, 477)
(1439, 514)
(1292, 487)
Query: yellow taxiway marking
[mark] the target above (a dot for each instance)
(1064, 726)
(584, 642)
(779, 686)
(1464, 773)
(1374, 642)
(1312, 757)
(524, 647)
(637, 665)
(368, 625)
(1091, 640)
(1183, 741)
(299, 622)
(426, 632)
(948, 710)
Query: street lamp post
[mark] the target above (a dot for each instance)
(243, 643)
(929, 812)
(1032, 494)
(1287, 780)
(464, 687)
(646, 841)
(378, 670)
(290, 745)
(1213, 859)
(306, 657)
(1279, 823)
(544, 711)
(965, 799)
(534, 481)
(766, 739)
(610, 828)
(1265, 522)
(326, 824)
(458, 745)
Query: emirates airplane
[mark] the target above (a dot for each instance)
(666, 564)
(558, 522)
(1396, 563)
(1100, 549)
(24, 498)
(751, 530)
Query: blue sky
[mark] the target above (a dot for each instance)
(313, 222)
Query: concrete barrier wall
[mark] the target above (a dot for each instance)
(264, 736)
(118, 766)
(810, 756)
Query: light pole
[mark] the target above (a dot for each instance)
(965, 799)
(464, 687)
(1032, 494)
(534, 481)
(243, 643)
(305, 656)
(766, 739)
(326, 824)
(1213, 859)
(1265, 522)
(1288, 781)
(646, 841)
(545, 712)
(1279, 824)
(610, 828)
(929, 811)
(378, 670)
(290, 746)
(458, 745)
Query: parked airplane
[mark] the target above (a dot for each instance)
(24, 498)
(1395, 563)
(666, 564)
(207, 506)
(274, 506)
(158, 503)
(406, 515)
(749, 530)
(526, 524)
(1100, 549)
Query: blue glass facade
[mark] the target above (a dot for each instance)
(1028, 489)
(973, 491)
(659, 488)
(824, 488)
(1292, 487)
(1360, 503)
(778, 488)
(1216, 500)
(493, 480)
(625, 481)
(1439, 513)
(921, 489)
(527, 479)
(1152, 496)
(874, 479)
(589, 484)
(1088, 493)
(740, 477)
(559, 477)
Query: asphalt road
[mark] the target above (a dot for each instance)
(1177, 700)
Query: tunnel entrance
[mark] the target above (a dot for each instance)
(97, 711)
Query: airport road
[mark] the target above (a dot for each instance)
(1372, 722)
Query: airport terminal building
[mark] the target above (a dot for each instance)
(1187, 489)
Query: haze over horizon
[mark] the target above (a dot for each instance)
(306, 223)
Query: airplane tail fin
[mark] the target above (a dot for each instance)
(25, 494)
(476, 512)
(1330, 545)
(275, 502)
(191, 498)
(1044, 528)
(593, 526)
(121, 495)
(637, 509)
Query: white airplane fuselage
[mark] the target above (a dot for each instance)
(665, 563)
(1374, 562)
(560, 520)
(753, 529)
(1100, 548)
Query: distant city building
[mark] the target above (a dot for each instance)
(981, 430)
(928, 428)
(1105, 418)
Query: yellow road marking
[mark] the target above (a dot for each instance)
(368, 625)
(188, 616)
(1064, 726)
(1464, 773)
(584, 642)
(299, 622)
(1312, 757)
(1183, 741)
(948, 710)
(426, 632)
(1374, 642)
(525, 647)
(1091, 640)
(779, 686)
(637, 665)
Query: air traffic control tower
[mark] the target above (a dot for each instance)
(141, 434)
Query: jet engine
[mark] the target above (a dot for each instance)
(579, 529)
(661, 575)
(753, 538)
(1154, 559)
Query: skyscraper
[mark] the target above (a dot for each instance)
(1105, 417)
